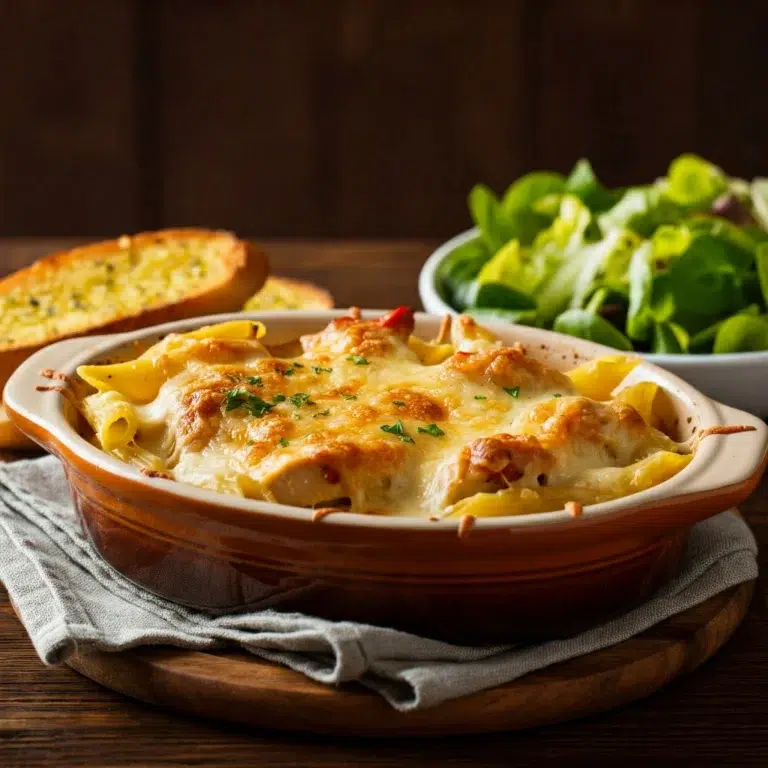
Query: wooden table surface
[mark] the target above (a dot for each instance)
(718, 715)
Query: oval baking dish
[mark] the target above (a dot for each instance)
(513, 577)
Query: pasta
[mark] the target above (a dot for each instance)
(369, 418)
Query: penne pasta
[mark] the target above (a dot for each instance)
(365, 416)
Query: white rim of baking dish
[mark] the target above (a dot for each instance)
(720, 460)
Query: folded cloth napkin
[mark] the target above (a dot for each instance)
(68, 598)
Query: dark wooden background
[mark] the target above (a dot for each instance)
(348, 118)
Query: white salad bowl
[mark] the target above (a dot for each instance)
(739, 379)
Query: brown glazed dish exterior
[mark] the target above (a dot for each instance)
(508, 579)
(492, 586)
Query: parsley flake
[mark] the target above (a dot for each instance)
(318, 369)
(288, 371)
(301, 398)
(432, 429)
(284, 443)
(255, 381)
(398, 430)
(480, 397)
(278, 398)
(348, 397)
(297, 365)
(321, 413)
(513, 391)
(398, 403)
(557, 394)
(358, 360)
(241, 398)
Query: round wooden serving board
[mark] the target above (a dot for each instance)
(242, 688)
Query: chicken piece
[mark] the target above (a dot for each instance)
(467, 336)
(587, 434)
(315, 474)
(383, 337)
(510, 367)
(490, 464)
(201, 417)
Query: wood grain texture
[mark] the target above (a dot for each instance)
(67, 145)
(238, 687)
(356, 118)
(717, 715)
(616, 83)
(725, 86)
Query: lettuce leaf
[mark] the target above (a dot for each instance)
(528, 189)
(585, 325)
(642, 209)
(583, 183)
(692, 182)
(606, 265)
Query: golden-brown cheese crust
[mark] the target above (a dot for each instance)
(489, 464)
(412, 404)
(347, 335)
(350, 423)
(508, 455)
(201, 416)
(509, 367)
(574, 421)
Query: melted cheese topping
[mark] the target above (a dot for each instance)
(359, 422)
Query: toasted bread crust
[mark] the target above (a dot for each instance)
(307, 294)
(247, 270)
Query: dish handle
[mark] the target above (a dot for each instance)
(44, 418)
(732, 460)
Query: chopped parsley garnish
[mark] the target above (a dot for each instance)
(241, 398)
(321, 413)
(480, 397)
(348, 397)
(34, 302)
(301, 398)
(358, 360)
(318, 369)
(398, 430)
(432, 429)
(557, 394)
(398, 403)
(284, 443)
(291, 369)
(278, 398)
(255, 381)
(513, 391)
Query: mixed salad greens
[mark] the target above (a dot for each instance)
(677, 266)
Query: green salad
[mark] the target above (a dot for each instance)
(677, 266)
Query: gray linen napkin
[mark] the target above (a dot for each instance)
(68, 598)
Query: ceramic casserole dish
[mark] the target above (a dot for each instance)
(514, 577)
